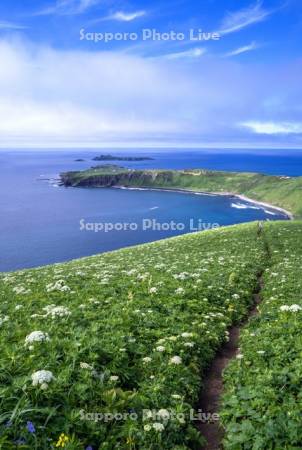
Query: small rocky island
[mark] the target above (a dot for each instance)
(121, 158)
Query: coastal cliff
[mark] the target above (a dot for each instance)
(280, 191)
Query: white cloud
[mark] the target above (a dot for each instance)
(10, 26)
(69, 95)
(246, 48)
(243, 18)
(50, 96)
(192, 53)
(66, 7)
(127, 17)
(61, 119)
(274, 127)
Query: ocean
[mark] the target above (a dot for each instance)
(43, 223)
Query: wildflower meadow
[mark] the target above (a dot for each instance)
(109, 352)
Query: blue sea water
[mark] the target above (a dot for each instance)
(41, 221)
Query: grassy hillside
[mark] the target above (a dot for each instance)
(262, 403)
(130, 334)
(280, 191)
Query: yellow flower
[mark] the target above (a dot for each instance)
(62, 441)
(130, 441)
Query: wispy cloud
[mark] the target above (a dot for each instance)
(246, 48)
(120, 16)
(66, 7)
(192, 53)
(243, 18)
(273, 127)
(47, 96)
(127, 17)
(11, 26)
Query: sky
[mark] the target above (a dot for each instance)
(96, 73)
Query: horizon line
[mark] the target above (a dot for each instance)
(149, 145)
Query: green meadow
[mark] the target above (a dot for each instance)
(110, 351)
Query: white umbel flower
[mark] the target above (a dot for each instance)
(291, 308)
(3, 319)
(160, 349)
(147, 359)
(85, 366)
(56, 311)
(189, 344)
(153, 290)
(114, 378)
(42, 377)
(36, 336)
(295, 308)
(186, 335)
(179, 291)
(176, 360)
(284, 308)
(58, 286)
(176, 396)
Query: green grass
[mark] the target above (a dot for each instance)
(280, 191)
(262, 403)
(123, 306)
(137, 331)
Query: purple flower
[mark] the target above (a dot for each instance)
(89, 448)
(30, 427)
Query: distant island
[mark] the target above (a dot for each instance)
(121, 158)
(79, 160)
(108, 168)
(277, 191)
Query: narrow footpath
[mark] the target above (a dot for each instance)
(209, 401)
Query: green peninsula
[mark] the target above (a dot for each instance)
(279, 191)
(121, 158)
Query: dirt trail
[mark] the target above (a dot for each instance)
(209, 401)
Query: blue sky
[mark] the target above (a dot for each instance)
(58, 87)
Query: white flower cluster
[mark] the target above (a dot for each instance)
(153, 290)
(56, 311)
(160, 349)
(85, 366)
(147, 359)
(179, 291)
(186, 335)
(36, 336)
(3, 319)
(21, 290)
(58, 286)
(42, 377)
(176, 360)
(189, 344)
(114, 378)
(292, 308)
(181, 276)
